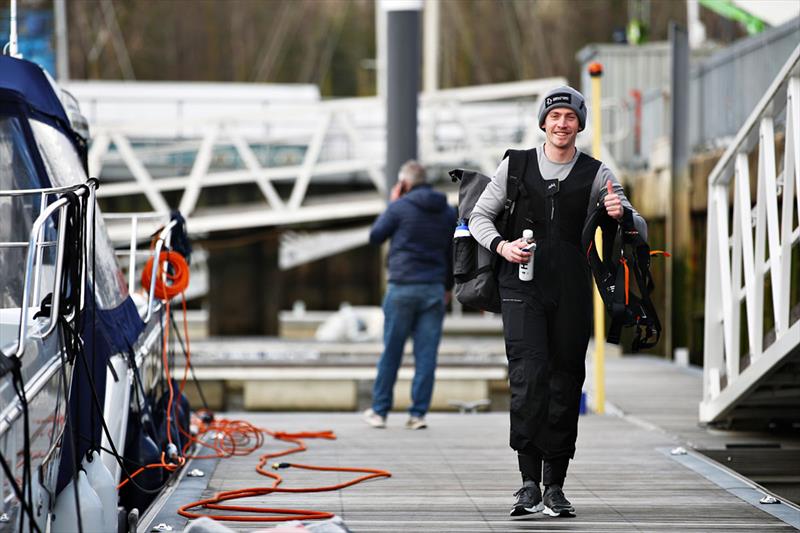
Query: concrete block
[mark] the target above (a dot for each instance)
(443, 392)
(214, 392)
(296, 395)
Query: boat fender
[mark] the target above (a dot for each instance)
(65, 516)
(103, 484)
(143, 451)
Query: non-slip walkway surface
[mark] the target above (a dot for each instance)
(459, 476)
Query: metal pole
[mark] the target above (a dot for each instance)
(380, 50)
(403, 73)
(431, 46)
(62, 43)
(12, 31)
(679, 216)
(596, 73)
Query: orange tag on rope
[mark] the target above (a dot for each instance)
(660, 252)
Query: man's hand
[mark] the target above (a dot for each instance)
(397, 191)
(513, 251)
(612, 202)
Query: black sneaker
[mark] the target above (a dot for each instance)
(555, 503)
(529, 500)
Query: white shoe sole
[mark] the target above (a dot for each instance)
(371, 418)
(528, 510)
(566, 513)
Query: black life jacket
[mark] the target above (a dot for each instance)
(623, 277)
(555, 211)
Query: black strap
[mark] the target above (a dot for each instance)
(517, 166)
(623, 243)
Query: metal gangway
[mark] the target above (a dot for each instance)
(183, 141)
(318, 142)
(752, 331)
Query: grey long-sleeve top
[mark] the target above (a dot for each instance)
(490, 204)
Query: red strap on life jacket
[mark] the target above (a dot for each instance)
(627, 278)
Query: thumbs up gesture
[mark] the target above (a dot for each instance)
(612, 202)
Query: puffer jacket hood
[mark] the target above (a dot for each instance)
(426, 198)
(420, 225)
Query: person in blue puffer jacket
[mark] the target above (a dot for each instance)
(420, 224)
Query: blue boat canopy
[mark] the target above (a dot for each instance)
(26, 82)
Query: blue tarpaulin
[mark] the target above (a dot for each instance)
(114, 331)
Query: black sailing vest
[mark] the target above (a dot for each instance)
(556, 212)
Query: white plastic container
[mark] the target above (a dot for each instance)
(103, 484)
(526, 269)
(65, 519)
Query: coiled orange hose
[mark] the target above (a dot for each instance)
(176, 272)
(227, 438)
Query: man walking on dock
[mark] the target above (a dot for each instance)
(547, 320)
(420, 225)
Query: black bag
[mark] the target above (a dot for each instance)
(473, 265)
(623, 277)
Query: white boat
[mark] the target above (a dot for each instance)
(81, 362)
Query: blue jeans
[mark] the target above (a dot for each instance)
(417, 310)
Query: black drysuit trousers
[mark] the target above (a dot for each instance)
(547, 331)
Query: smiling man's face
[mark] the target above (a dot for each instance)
(561, 127)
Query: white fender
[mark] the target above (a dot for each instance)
(103, 484)
(65, 516)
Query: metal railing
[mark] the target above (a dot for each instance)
(331, 140)
(56, 212)
(737, 263)
(729, 83)
(149, 254)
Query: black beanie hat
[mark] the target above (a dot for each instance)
(563, 96)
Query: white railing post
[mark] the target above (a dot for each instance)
(736, 262)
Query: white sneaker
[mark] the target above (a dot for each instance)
(416, 422)
(374, 419)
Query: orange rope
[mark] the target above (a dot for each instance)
(170, 467)
(627, 278)
(270, 514)
(176, 271)
(227, 438)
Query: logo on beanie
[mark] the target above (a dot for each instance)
(558, 98)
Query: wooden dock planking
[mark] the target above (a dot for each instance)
(459, 476)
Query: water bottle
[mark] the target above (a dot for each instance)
(526, 269)
(462, 230)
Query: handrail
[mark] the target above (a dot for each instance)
(164, 236)
(477, 133)
(47, 190)
(34, 245)
(723, 166)
(132, 251)
(137, 214)
(756, 240)
(43, 193)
